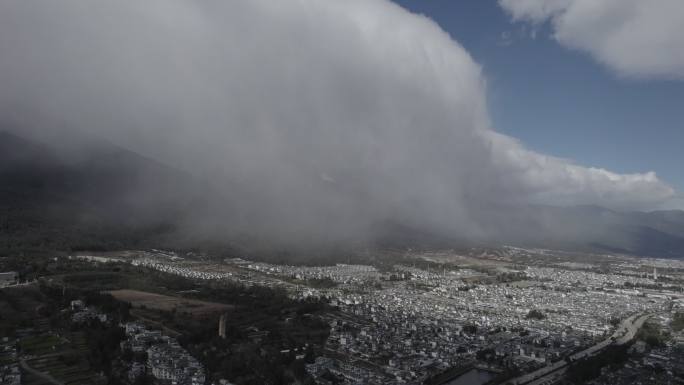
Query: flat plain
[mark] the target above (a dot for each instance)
(140, 299)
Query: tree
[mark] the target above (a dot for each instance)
(535, 314)
(678, 322)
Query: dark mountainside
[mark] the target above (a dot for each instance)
(111, 198)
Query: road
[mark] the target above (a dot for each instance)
(548, 374)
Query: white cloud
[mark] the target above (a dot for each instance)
(635, 38)
(316, 118)
(551, 180)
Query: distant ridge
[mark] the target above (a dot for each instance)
(109, 198)
(112, 198)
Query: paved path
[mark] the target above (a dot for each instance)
(548, 374)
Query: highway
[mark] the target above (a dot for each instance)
(550, 373)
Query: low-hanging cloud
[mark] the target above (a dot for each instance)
(643, 39)
(312, 118)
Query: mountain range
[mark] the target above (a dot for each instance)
(113, 198)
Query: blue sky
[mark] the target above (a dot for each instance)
(561, 101)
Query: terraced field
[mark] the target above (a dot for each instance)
(57, 360)
(32, 379)
(41, 345)
(63, 370)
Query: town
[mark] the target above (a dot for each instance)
(485, 319)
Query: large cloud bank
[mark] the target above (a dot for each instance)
(636, 38)
(314, 118)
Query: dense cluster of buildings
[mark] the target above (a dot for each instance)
(406, 324)
(83, 314)
(9, 366)
(340, 273)
(187, 272)
(166, 359)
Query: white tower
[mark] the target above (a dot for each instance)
(222, 326)
(655, 274)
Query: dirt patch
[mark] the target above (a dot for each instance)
(140, 299)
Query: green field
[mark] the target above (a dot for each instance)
(41, 345)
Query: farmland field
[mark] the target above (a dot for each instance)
(167, 303)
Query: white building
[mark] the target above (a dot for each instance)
(9, 278)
